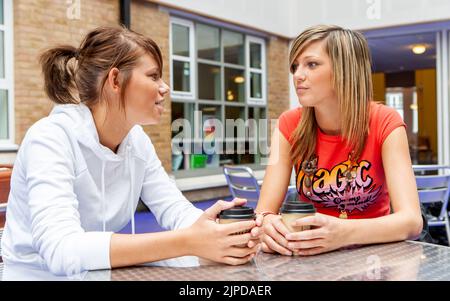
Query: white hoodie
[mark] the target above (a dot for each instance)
(69, 193)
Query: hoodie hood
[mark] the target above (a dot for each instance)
(78, 117)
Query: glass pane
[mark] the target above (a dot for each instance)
(255, 55)
(208, 82)
(259, 146)
(2, 55)
(211, 132)
(256, 113)
(233, 45)
(180, 40)
(1, 12)
(255, 85)
(236, 146)
(234, 85)
(182, 133)
(4, 114)
(208, 42)
(417, 107)
(405, 78)
(235, 113)
(181, 76)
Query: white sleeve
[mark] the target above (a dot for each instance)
(171, 209)
(56, 229)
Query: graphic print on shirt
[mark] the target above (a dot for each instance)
(329, 187)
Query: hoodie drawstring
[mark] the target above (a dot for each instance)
(130, 165)
(103, 196)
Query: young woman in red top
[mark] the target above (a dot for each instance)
(349, 153)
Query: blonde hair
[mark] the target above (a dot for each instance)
(352, 81)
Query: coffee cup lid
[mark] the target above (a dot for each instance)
(238, 212)
(297, 207)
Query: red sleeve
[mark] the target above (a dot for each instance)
(388, 120)
(288, 121)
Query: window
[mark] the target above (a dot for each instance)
(256, 71)
(182, 62)
(6, 80)
(217, 84)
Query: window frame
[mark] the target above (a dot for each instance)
(222, 103)
(7, 83)
(190, 59)
(262, 71)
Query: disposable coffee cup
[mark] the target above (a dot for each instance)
(293, 210)
(237, 214)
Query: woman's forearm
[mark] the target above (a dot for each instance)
(389, 228)
(127, 249)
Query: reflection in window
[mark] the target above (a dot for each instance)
(181, 76)
(211, 134)
(183, 120)
(259, 146)
(255, 55)
(1, 12)
(208, 42)
(4, 115)
(2, 54)
(208, 82)
(233, 47)
(255, 85)
(234, 85)
(180, 40)
(395, 100)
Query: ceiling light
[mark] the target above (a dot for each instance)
(239, 79)
(419, 48)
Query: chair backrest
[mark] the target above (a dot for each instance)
(242, 182)
(433, 188)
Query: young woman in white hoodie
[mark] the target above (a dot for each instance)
(80, 171)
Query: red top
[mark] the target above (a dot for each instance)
(368, 197)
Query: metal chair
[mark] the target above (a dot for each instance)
(242, 182)
(435, 188)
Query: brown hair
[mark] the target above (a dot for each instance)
(352, 80)
(74, 75)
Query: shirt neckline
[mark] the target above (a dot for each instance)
(326, 137)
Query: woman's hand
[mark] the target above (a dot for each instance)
(256, 232)
(217, 242)
(327, 233)
(274, 240)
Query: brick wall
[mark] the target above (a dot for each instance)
(277, 76)
(148, 20)
(39, 25)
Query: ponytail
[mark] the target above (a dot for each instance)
(59, 67)
(72, 75)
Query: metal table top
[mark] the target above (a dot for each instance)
(394, 261)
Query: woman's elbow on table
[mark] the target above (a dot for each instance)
(414, 226)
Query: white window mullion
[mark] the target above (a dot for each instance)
(249, 70)
(7, 83)
(190, 60)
